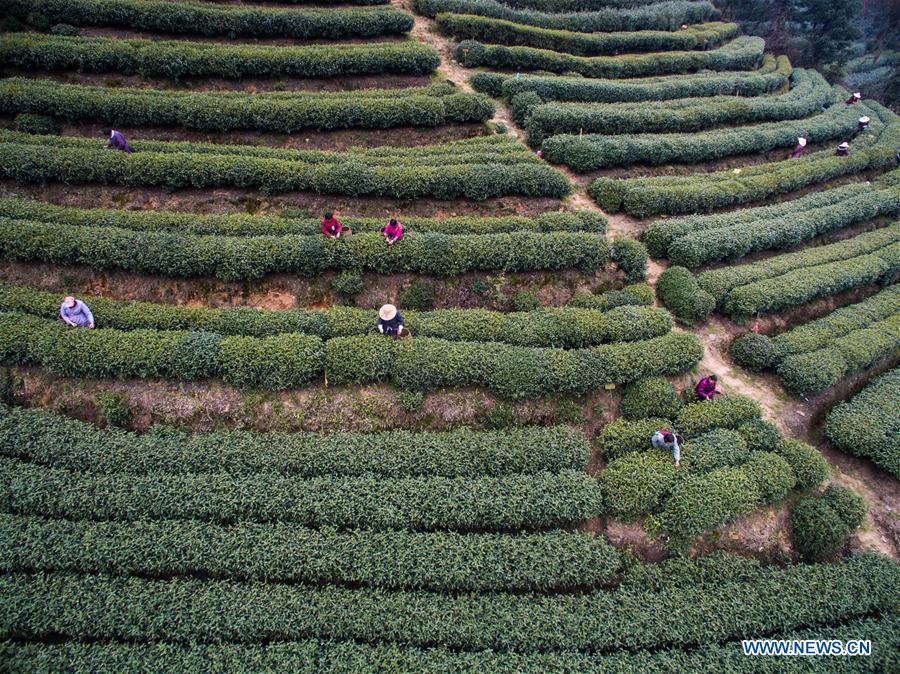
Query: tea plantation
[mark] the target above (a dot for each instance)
(229, 468)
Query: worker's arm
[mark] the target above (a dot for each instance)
(90, 316)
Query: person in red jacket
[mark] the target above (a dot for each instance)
(706, 387)
(393, 232)
(332, 227)
(854, 98)
(798, 151)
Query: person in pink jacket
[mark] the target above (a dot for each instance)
(706, 387)
(393, 232)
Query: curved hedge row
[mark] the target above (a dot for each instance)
(114, 657)
(440, 561)
(658, 16)
(591, 152)
(771, 76)
(49, 439)
(566, 327)
(242, 224)
(704, 192)
(637, 294)
(867, 425)
(742, 53)
(472, 176)
(426, 503)
(500, 31)
(176, 60)
(809, 93)
(723, 411)
(99, 607)
(661, 234)
(681, 294)
(209, 19)
(510, 371)
(243, 258)
(705, 246)
(281, 113)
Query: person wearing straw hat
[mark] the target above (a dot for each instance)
(801, 146)
(854, 98)
(842, 150)
(390, 321)
(75, 313)
(863, 124)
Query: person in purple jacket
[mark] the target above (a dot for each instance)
(75, 313)
(116, 141)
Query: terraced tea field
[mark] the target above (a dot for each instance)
(603, 201)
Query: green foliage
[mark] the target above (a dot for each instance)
(440, 561)
(537, 501)
(715, 449)
(211, 20)
(64, 29)
(411, 401)
(177, 60)
(808, 94)
(225, 111)
(348, 283)
(760, 436)
(822, 524)
(9, 385)
(49, 439)
(658, 16)
(522, 105)
(635, 294)
(27, 122)
(867, 424)
(680, 292)
(418, 296)
(772, 474)
(631, 257)
(652, 397)
(500, 31)
(498, 416)
(771, 76)
(635, 484)
(723, 411)
(809, 466)
(278, 362)
(621, 436)
(753, 351)
(525, 300)
(742, 53)
(114, 409)
(850, 506)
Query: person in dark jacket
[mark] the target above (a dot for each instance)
(798, 151)
(116, 141)
(855, 97)
(706, 388)
(843, 149)
(390, 321)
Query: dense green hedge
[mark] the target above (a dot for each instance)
(426, 503)
(591, 152)
(500, 31)
(565, 327)
(511, 371)
(662, 233)
(350, 658)
(48, 439)
(707, 246)
(809, 93)
(867, 424)
(175, 60)
(772, 75)
(243, 258)
(704, 192)
(636, 294)
(635, 484)
(659, 16)
(240, 224)
(98, 607)
(820, 525)
(814, 371)
(681, 294)
(717, 448)
(652, 397)
(278, 112)
(475, 174)
(209, 19)
(742, 53)
(808, 465)
(721, 282)
(723, 411)
(441, 561)
(623, 436)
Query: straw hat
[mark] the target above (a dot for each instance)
(69, 301)
(856, 94)
(387, 312)
(864, 119)
(844, 146)
(801, 142)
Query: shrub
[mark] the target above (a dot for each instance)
(41, 124)
(680, 293)
(64, 29)
(742, 53)
(348, 283)
(418, 296)
(772, 475)
(228, 20)
(177, 60)
(498, 416)
(621, 436)
(822, 524)
(809, 466)
(522, 105)
(850, 506)
(282, 361)
(411, 401)
(9, 385)
(524, 300)
(753, 351)
(636, 294)
(715, 449)
(113, 408)
(760, 436)
(631, 257)
(723, 411)
(865, 425)
(652, 397)
(634, 485)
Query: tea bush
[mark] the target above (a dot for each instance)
(635, 484)
(822, 524)
(114, 409)
(621, 436)
(723, 411)
(633, 295)
(653, 397)
(715, 449)
(27, 122)
(760, 435)
(681, 294)
(809, 466)
(753, 351)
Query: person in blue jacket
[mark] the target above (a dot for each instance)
(75, 313)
